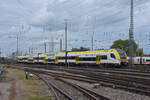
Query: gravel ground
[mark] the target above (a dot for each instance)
(18, 90)
(113, 94)
(6, 87)
(4, 93)
(73, 92)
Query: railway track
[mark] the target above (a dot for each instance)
(129, 86)
(126, 70)
(58, 93)
(127, 83)
(64, 90)
(136, 77)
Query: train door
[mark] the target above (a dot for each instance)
(77, 59)
(56, 60)
(33, 59)
(44, 60)
(97, 59)
(28, 60)
(143, 61)
(140, 60)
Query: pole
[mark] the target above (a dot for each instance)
(53, 44)
(45, 47)
(32, 51)
(93, 33)
(131, 35)
(60, 45)
(66, 42)
(29, 50)
(92, 41)
(0, 52)
(17, 46)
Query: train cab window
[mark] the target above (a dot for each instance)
(113, 56)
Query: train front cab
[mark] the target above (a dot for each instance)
(122, 57)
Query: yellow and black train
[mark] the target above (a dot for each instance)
(114, 57)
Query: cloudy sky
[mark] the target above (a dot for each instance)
(36, 21)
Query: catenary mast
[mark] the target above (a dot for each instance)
(131, 34)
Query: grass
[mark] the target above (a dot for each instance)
(37, 98)
(32, 89)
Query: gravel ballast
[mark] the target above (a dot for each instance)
(113, 94)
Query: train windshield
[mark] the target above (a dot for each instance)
(122, 54)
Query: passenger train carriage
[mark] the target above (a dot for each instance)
(141, 60)
(23, 59)
(31, 59)
(50, 58)
(41, 59)
(111, 57)
(106, 57)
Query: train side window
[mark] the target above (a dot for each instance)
(104, 57)
(148, 60)
(113, 56)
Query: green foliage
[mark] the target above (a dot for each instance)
(123, 44)
(147, 55)
(80, 49)
(75, 49)
(139, 52)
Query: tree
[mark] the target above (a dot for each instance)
(80, 49)
(139, 52)
(147, 55)
(74, 49)
(124, 45)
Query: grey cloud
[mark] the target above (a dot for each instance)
(45, 18)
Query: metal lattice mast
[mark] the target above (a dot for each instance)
(60, 45)
(66, 42)
(131, 34)
(45, 47)
(92, 40)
